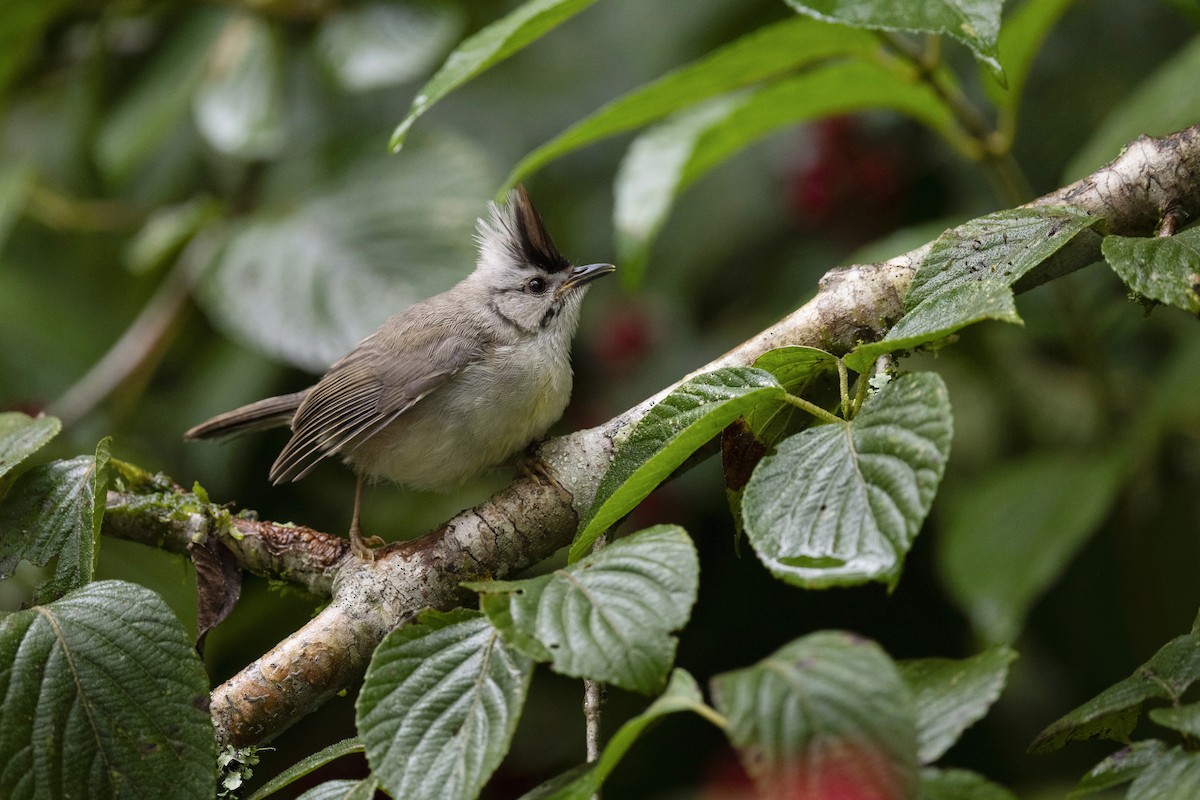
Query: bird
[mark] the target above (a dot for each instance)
(449, 387)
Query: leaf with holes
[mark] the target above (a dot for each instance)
(679, 425)
(104, 696)
(439, 705)
(841, 503)
(827, 713)
(608, 617)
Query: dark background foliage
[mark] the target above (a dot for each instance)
(112, 124)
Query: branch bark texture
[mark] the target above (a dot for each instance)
(526, 522)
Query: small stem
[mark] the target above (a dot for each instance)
(812, 408)
(712, 715)
(592, 692)
(860, 394)
(843, 389)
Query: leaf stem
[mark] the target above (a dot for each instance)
(712, 715)
(843, 389)
(860, 393)
(812, 408)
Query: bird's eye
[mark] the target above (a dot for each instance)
(536, 285)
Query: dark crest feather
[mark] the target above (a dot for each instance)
(531, 241)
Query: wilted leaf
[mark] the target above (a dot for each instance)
(103, 697)
(439, 705)
(54, 512)
(824, 714)
(670, 432)
(841, 503)
(218, 584)
(609, 616)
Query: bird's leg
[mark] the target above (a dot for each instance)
(530, 466)
(358, 545)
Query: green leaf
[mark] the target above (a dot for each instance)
(1165, 268)
(795, 366)
(952, 695)
(305, 281)
(607, 617)
(975, 23)
(960, 784)
(1021, 39)
(966, 275)
(439, 705)
(666, 159)
(166, 231)
(771, 51)
(1185, 719)
(827, 713)
(1172, 776)
(939, 317)
(524, 25)
(238, 105)
(682, 694)
(1008, 536)
(841, 503)
(103, 696)
(159, 101)
(54, 512)
(671, 431)
(309, 764)
(1164, 103)
(1121, 767)
(21, 436)
(375, 45)
(344, 789)
(1113, 713)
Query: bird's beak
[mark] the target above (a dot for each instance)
(586, 274)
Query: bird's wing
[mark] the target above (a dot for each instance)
(367, 390)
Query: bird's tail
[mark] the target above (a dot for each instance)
(273, 412)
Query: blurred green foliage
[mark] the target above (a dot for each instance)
(222, 171)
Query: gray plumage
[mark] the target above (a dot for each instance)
(451, 386)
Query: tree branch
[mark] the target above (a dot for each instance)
(526, 522)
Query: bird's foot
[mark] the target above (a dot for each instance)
(364, 547)
(532, 467)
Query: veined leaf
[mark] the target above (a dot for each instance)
(54, 511)
(343, 789)
(771, 51)
(952, 695)
(524, 25)
(1163, 268)
(975, 23)
(682, 694)
(103, 696)
(966, 276)
(21, 436)
(1113, 713)
(439, 705)
(608, 617)
(841, 503)
(670, 432)
(668, 158)
(825, 713)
